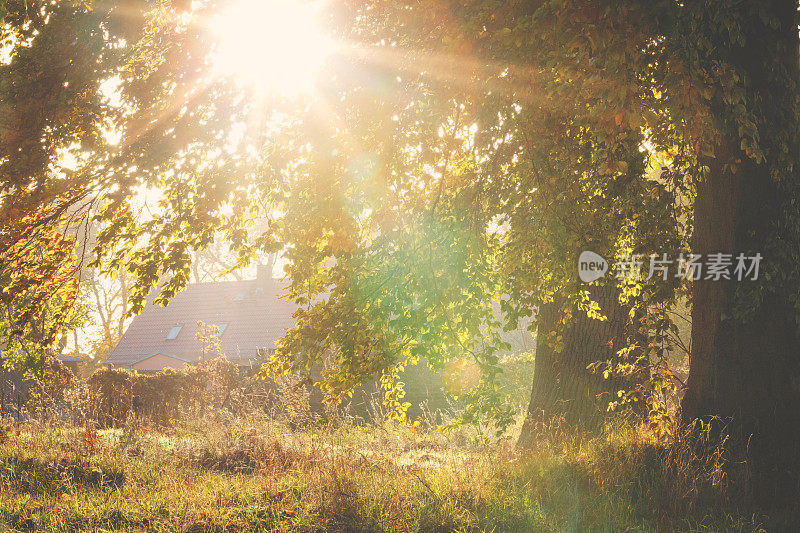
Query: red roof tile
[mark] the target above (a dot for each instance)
(255, 316)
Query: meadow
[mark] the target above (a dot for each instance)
(255, 473)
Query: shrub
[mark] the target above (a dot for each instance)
(106, 398)
(50, 385)
(219, 377)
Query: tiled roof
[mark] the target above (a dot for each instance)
(254, 315)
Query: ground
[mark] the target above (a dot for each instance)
(256, 474)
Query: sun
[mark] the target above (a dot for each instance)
(272, 45)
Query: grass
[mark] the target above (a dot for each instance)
(257, 474)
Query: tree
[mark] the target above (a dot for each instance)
(110, 310)
(393, 213)
(563, 167)
(56, 58)
(745, 367)
(724, 82)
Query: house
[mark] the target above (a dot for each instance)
(249, 315)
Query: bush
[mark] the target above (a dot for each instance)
(51, 385)
(107, 396)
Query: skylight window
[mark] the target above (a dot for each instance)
(173, 333)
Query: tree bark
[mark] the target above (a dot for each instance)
(562, 385)
(745, 363)
(744, 371)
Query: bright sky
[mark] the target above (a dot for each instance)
(272, 45)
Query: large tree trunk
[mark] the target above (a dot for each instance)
(562, 385)
(744, 370)
(745, 361)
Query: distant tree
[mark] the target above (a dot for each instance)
(110, 311)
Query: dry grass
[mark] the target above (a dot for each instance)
(256, 474)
